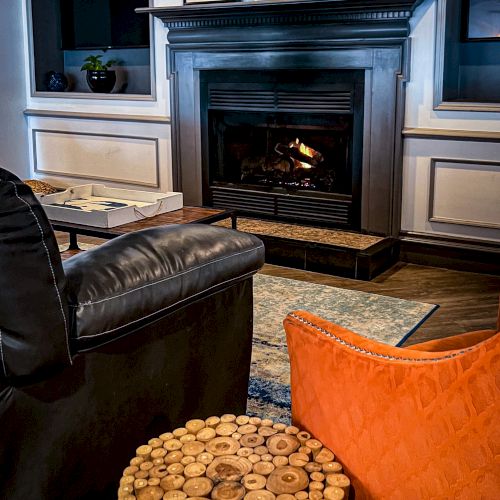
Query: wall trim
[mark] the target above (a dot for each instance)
(452, 135)
(432, 184)
(98, 116)
(462, 254)
(155, 140)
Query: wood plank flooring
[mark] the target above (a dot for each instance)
(468, 301)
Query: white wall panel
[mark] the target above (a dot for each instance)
(465, 192)
(463, 188)
(75, 151)
(120, 158)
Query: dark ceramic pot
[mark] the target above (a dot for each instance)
(101, 81)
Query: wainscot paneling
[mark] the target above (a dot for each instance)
(452, 188)
(119, 158)
(465, 192)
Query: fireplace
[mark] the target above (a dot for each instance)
(284, 144)
(250, 81)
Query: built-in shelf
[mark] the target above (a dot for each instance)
(467, 71)
(51, 50)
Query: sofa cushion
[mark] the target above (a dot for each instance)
(138, 277)
(33, 308)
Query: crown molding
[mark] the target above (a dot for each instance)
(269, 12)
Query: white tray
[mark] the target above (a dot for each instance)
(101, 206)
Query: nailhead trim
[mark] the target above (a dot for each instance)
(376, 354)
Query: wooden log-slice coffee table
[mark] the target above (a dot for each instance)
(232, 458)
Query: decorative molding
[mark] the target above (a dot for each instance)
(439, 52)
(468, 106)
(464, 243)
(270, 13)
(452, 135)
(450, 253)
(154, 140)
(97, 116)
(432, 186)
(94, 97)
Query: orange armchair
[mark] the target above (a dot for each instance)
(413, 423)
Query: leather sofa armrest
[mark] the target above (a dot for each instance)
(136, 278)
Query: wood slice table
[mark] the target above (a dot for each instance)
(234, 458)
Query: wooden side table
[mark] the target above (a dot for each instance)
(186, 215)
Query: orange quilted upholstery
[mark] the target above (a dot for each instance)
(405, 423)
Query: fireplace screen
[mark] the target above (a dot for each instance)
(287, 151)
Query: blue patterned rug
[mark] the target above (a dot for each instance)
(378, 317)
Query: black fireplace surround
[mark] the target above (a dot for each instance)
(291, 109)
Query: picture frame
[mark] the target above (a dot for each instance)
(481, 20)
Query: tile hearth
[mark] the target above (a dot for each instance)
(305, 233)
(329, 251)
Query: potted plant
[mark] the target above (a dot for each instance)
(99, 77)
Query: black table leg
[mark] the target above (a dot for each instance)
(73, 241)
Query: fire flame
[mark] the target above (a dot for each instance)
(305, 150)
(301, 164)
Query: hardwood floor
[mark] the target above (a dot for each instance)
(468, 301)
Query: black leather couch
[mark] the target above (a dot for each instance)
(119, 344)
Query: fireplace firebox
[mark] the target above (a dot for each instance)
(284, 144)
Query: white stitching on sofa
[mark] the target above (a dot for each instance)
(1, 353)
(50, 266)
(90, 303)
(167, 307)
(376, 354)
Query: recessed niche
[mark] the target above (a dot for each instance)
(64, 34)
(467, 68)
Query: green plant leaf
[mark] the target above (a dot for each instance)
(94, 63)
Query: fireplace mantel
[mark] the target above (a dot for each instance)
(275, 12)
(371, 36)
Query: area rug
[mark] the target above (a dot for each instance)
(378, 317)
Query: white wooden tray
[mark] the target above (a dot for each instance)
(101, 206)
